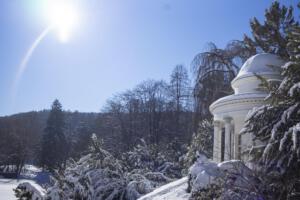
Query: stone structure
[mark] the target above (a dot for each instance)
(230, 112)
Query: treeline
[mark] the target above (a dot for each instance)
(21, 136)
(157, 111)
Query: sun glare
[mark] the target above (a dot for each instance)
(63, 17)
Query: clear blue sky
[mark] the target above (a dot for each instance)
(117, 44)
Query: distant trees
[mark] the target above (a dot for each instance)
(180, 89)
(18, 142)
(80, 140)
(180, 93)
(156, 111)
(55, 147)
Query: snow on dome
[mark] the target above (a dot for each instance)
(264, 63)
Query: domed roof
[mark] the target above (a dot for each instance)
(264, 63)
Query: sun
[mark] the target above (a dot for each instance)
(63, 17)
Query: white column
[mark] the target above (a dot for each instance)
(236, 146)
(227, 153)
(217, 142)
(238, 123)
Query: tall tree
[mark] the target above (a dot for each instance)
(213, 70)
(54, 144)
(277, 125)
(179, 87)
(180, 99)
(271, 35)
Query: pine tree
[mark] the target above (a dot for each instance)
(54, 144)
(278, 126)
(271, 36)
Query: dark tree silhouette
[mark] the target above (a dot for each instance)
(54, 144)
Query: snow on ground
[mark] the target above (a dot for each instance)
(7, 186)
(173, 191)
(31, 174)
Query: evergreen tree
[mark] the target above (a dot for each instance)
(271, 36)
(278, 126)
(54, 144)
(202, 143)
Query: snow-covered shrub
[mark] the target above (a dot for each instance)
(27, 191)
(144, 158)
(97, 175)
(202, 144)
(141, 157)
(139, 185)
(226, 180)
(213, 191)
(170, 169)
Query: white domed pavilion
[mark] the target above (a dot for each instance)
(230, 111)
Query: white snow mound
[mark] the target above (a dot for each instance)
(173, 191)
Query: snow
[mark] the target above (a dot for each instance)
(7, 186)
(38, 193)
(173, 191)
(295, 139)
(235, 99)
(294, 89)
(286, 115)
(261, 63)
(31, 177)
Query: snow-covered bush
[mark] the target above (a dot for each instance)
(226, 180)
(144, 158)
(27, 191)
(213, 191)
(99, 175)
(139, 185)
(202, 144)
(141, 157)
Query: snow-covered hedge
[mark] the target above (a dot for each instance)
(225, 180)
(28, 191)
(99, 175)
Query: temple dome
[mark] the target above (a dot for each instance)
(230, 111)
(264, 63)
(247, 86)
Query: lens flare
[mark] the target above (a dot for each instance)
(26, 59)
(63, 16)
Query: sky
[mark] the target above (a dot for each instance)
(115, 45)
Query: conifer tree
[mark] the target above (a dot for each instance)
(54, 144)
(271, 36)
(202, 143)
(277, 125)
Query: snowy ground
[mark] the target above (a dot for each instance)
(31, 174)
(173, 191)
(7, 186)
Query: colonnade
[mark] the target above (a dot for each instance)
(226, 141)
